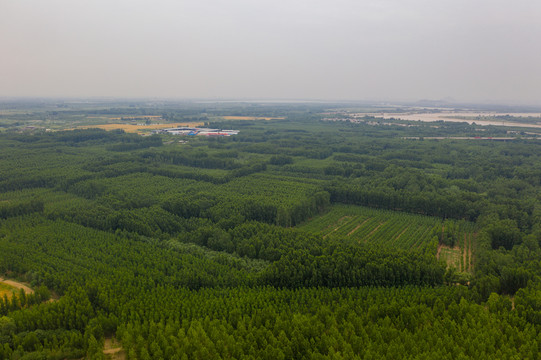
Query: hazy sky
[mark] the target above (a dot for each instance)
(296, 49)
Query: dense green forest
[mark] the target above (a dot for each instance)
(298, 238)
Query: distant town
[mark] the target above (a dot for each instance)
(196, 131)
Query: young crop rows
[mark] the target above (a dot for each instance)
(379, 227)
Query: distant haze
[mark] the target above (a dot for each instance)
(473, 51)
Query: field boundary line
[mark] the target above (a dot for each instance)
(399, 235)
(337, 222)
(358, 226)
(373, 231)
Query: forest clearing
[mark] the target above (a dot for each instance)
(10, 287)
(377, 227)
(459, 256)
(113, 350)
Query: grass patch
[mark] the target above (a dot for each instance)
(451, 256)
(8, 290)
(380, 227)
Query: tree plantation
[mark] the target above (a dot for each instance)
(297, 238)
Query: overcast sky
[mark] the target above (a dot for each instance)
(281, 49)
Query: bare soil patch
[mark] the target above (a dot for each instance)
(465, 252)
(450, 255)
(356, 228)
(470, 251)
(14, 285)
(112, 349)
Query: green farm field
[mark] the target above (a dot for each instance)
(393, 229)
(379, 227)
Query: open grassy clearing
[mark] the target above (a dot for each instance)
(459, 257)
(6, 289)
(381, 227)
(113, 350)
(10, 287)
(393, 229)
(450, 255)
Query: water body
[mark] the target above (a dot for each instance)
(455, 116)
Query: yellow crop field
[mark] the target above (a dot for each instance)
(139, 128)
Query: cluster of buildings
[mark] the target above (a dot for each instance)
(196, 131)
